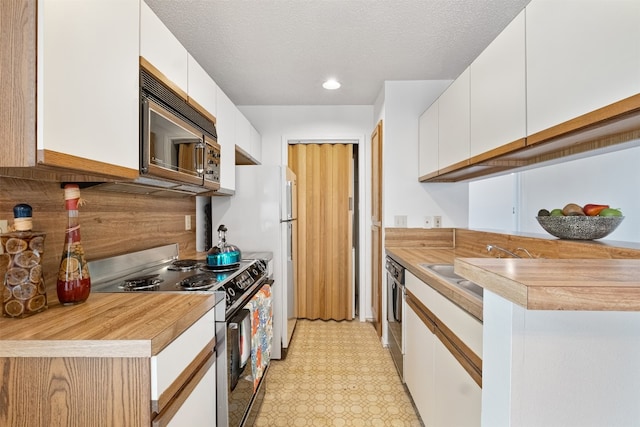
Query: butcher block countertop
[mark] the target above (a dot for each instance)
(559, 284)
(411, 258)
(106, 325)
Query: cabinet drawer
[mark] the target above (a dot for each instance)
(461, 323)
(178, 359)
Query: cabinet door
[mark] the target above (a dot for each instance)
(458, 399)
(88, 82)
(429, 140)
(243, 132)
(497, 91)
(201, 88)
(581, 55)
(226, 127)
(418, 361)
(162, 49)
(198, 407)
(453, 132)
(256, 144)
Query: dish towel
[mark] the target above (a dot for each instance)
(261, 332)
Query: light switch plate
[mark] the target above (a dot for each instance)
(437, 221)
(428, 222)
(187, 222)
(400, 221)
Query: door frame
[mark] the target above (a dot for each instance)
(360, 141)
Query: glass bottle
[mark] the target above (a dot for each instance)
(74, 283)
(24, 292)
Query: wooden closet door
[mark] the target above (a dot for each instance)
(325, 187)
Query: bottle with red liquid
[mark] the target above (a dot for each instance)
(74, 283)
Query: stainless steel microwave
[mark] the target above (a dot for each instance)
(177, 143)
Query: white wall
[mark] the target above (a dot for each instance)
(403, 194)
(611, 178)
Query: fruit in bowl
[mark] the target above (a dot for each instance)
(580, 223)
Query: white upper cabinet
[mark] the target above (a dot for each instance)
(162, 49)
(498, 91)
(256, 144)
(453, 131)
(428, 145)
(87, 84)
(226, 128)
(581, 55)
(201, 88)
(243, 132)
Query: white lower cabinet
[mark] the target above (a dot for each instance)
(419, 364)
(183, 378)
(443, 391)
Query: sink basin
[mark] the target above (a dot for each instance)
(472, 287)
(446, 272)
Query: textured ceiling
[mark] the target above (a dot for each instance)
(278, 52)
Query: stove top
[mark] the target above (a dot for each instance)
(159, 270)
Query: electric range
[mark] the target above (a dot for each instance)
(160, 270)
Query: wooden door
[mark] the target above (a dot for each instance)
(376, 227)
(325, 189)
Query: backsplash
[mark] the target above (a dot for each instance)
(111, 223)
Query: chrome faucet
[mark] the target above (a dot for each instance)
(523, 250)
(506, 251)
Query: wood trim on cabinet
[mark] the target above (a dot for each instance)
(163, 419)
(73, 163)
(192, 374)
(18, 83)
(612, 127)
(471, 362)
(148, 66)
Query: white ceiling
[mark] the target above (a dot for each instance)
(278, 52)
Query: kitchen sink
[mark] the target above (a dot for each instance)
(446, 272)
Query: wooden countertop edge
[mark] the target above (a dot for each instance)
(411, 258)
(76, 348)
(511, 290)
(107, 325)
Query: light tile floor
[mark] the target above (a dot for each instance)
(336, 374)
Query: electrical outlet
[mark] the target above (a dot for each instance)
(400, 221)
(4, 225)
(187, 222)
(428, 222)
(437, 221)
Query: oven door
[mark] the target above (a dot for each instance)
(395, 300)
(170, 147)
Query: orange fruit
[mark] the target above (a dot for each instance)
(41, 288)
(70, 264)
(27, 259)
(14, 308)
(36, 303)
(35, 274)
(37, 244)
(16, 276)
(24, 291)
(15, 245)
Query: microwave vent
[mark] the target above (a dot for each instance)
(154, 89)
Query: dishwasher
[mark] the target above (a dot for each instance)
(395, 301)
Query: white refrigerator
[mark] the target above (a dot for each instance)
(262, 216)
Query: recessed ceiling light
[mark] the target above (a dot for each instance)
(331, 84)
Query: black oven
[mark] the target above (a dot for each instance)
(395, 300)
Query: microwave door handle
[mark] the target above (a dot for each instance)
(144, 137)
(199, 158)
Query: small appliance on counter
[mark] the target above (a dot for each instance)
(223, 255)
